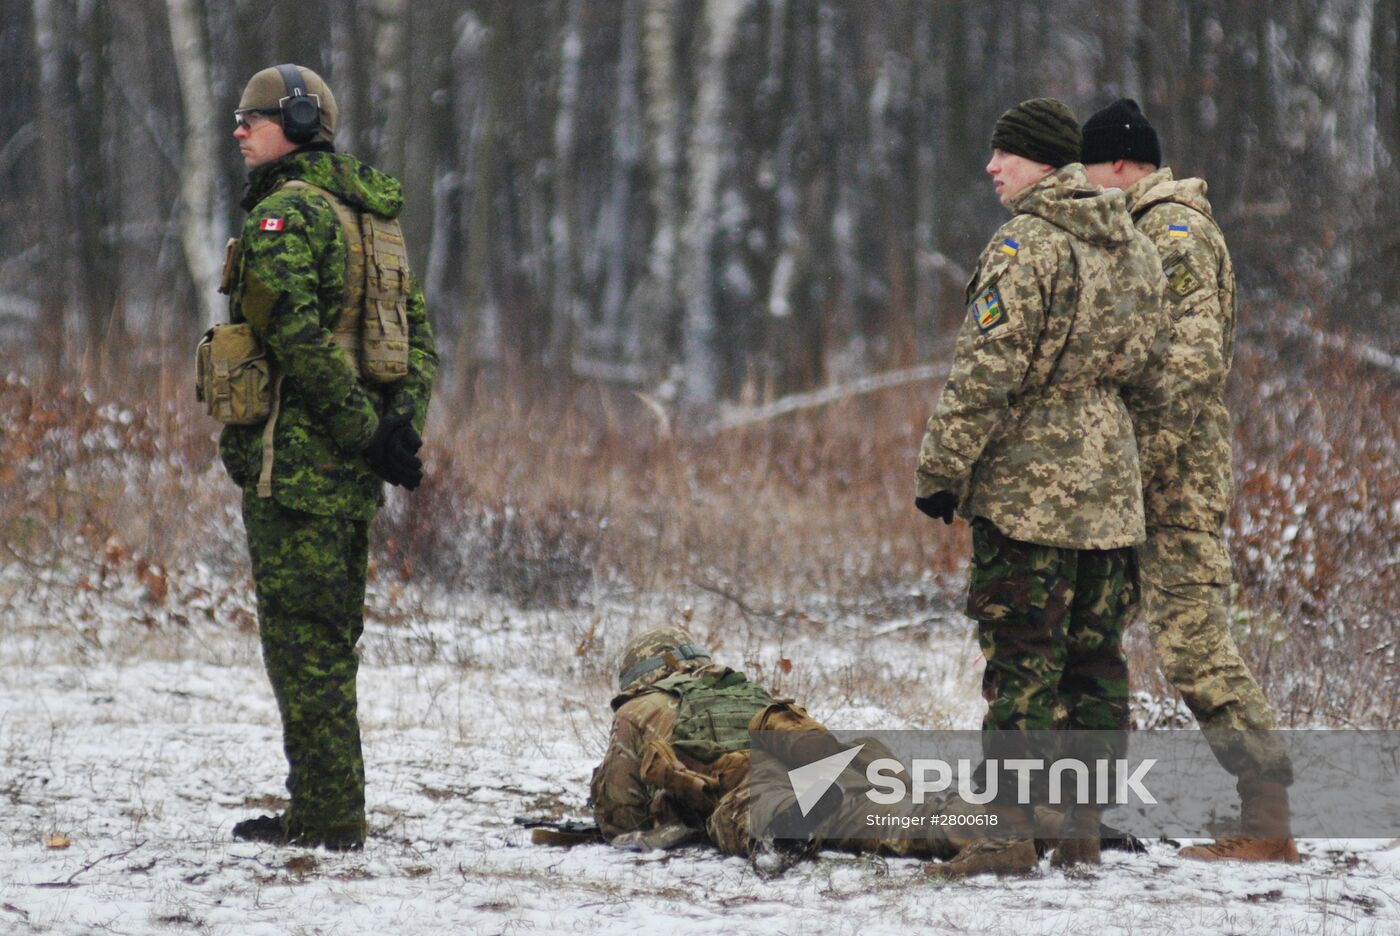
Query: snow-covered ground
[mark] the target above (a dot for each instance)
(131, 742)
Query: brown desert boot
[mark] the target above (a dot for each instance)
(1011, 855)
(1266, 823)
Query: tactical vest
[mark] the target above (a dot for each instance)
(714, 713)
(233, 377)
(372, 328)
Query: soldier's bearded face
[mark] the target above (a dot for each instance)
(261, 141)
(1011, 174)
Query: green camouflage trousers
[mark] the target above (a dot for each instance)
(309, 572)
(1050, 625)
(1186, 604)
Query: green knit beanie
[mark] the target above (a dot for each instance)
(1042, 130)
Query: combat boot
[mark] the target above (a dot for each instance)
(1265, 822)
(1011, 852)
(1079, 838)
(269, 829)
(337, 840)
(1050, 829)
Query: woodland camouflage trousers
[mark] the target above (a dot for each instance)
(1050, 624)
(309, 572)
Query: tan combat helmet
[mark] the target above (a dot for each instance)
(266, 90)
(656, 653)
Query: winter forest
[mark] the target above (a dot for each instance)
(723, 197)
(695, 270)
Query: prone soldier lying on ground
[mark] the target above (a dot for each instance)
(677, 768)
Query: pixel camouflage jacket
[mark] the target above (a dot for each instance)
(288, 285)
(1056, 381)
(1194, 486)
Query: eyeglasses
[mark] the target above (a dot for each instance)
(240, 116)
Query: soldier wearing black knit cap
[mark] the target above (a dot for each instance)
(1184, 568)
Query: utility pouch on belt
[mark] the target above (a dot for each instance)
(232, 376)
(372, 328)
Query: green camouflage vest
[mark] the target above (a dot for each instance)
(714, 713)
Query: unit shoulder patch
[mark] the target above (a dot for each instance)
(986, 308)
(1181, 278)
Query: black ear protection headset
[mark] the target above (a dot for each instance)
(301, 112)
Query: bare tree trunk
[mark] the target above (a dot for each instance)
(707, 139)
(564, 311)
(625, 156)
(1358, 117)
(56, 275)
(200, 226)
(787, 267)
(663, 111)
(391, 74)
(925, 182)
(845, 353)
(480, 48)
(1385, 75)
(1116, 32)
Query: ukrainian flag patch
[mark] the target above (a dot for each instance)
(1178, 230)
(986, 309)
(1010, 247)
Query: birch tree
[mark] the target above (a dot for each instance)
(789, 238)
(700, 352)
(200, 227)
(564, 302)
(55, 269)
(390, 74)
(626, 153)
(473, 58)
(663, 129)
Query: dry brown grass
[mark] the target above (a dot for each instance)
(552, 495)
(812, 505)
(1315, 535)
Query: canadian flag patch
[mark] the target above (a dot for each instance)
(271, 224)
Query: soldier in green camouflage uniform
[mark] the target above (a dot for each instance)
(678, 759)
(1036, 440)
(337, 438)
(1185, 568)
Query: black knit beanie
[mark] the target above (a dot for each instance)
(1120, 131)
(1042, 130)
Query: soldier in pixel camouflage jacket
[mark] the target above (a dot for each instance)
(1186, 571)
(336, 439)
(1054, 411)
(1033, 430)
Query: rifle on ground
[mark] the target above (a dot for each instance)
(564, 833)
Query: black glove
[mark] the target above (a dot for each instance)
(404, 445)
(939, 505)
(392, 451)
